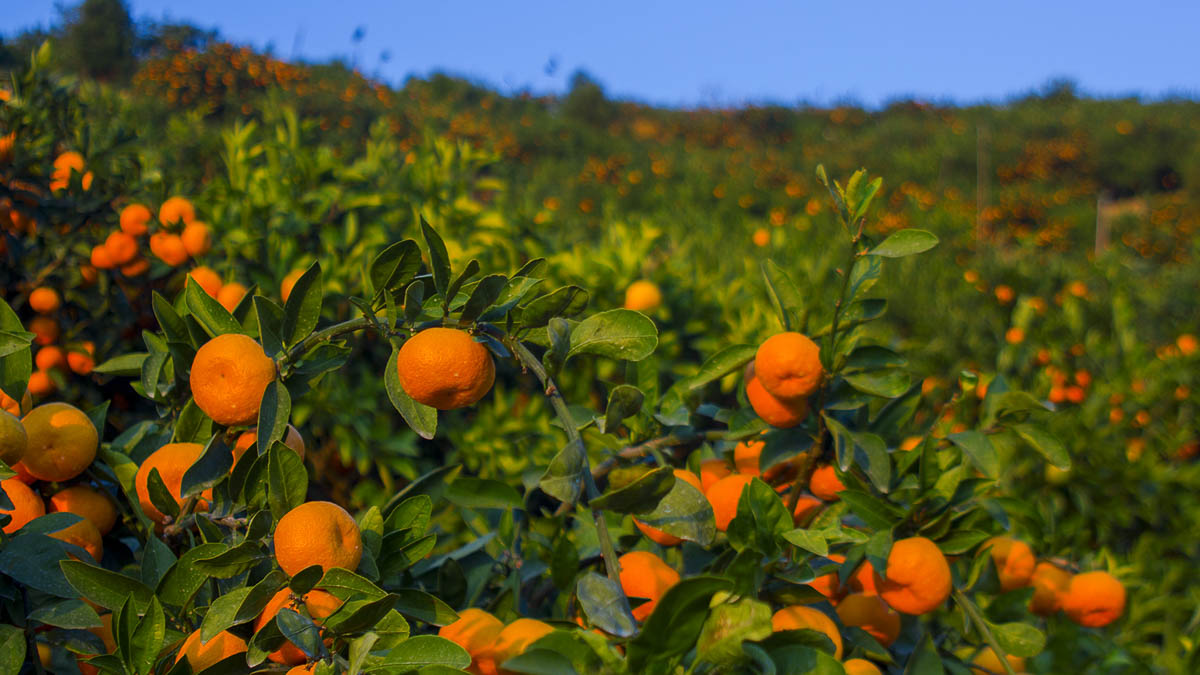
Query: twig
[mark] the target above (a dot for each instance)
(981, 625)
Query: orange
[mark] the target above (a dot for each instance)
(475, 631)
(911, 443)
(1188, 344)
(41, 384)
(209, 280)
(105, 633)
(798, 617)
(168, 247)
(1014, 561)
(713, 470)
(176, 210)
(918, 577)
(806, 507)
(87, 502)
(862, 580)
(658, 536)
(303, 669)
(1049, 582)
(870, 614)
(136, 268)
(100, 258)
(197, 238)
(745, 457)
(201, 655)
(988, 662)
(318, 604)
(644, 576)
(230, 295)
(861, 667)
(84, 535)
(445, 368)
(289, 281)
(1014, 335)
(317, 533)
(291, 438)
(82, 361)
(172, 461)
(62, 442)
(724, 496)
(122, 248)
(45, 330)
(1094, 599)
(64, 165)
(10, 405)
(229, 375)
(13, 439)
(789, 365)
(50, 357)
(135, 219)
(27, 505)
(761, 237)
(23, 474)
(829, 585)
(825, 484)
(642, 296)
(512, 641)
(44, 300)
(775, 411)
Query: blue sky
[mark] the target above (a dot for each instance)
(689, 53)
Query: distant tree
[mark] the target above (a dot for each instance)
(587, 102)
(97, 40)
(156, 38)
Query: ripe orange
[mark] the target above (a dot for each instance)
(100, 258)
(1094, 599)
(303, 669)
(789, 365)
(861, 667)
(87, 502)
(806, 507)
(761, 237)
(445, 368)
(41, 384)
(11, 406)
(45, 330)
(44, 300)
(201, 655)
(197, 238)
(318, 604)
(105, 633)
(230, 295)
(229, 375)
(745, 457)
(136, 268)
(27, 505)
(513, 640)
(829, 585)
(291, 438)
(176, 210)
(988, 662)
(869, 613)
(777, 412)
(135, 220)
(862, 580)
(168, 247)
(62, 442)
(64, 165)
(642, 296)
(918, 577)
(1014, 561)
(799, 617)
(658, 536)
(475, 631)
(122, 248)
(644, 576)
(82, 361)
(1049, 582)
(317, 533)
(825, 484)
(172, 461)
(84, 535)
(713, 470)
(50, 357)
(724, 496)
(289, 281)
(13, 439)
(209, 280)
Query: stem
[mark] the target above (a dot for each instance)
(635, 451)
(325, 335)
(981, 625)
(528, 360)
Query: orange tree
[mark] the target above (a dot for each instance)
(220, 565)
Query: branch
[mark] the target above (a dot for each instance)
(330, 333)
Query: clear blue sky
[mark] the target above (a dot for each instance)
(688, 53)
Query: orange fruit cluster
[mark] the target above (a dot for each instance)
(1091, 599)
(489, 641)
(786, 370)
(177, 237)
(50, 357)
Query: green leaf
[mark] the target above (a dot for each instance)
(287, 480)
(213, 465)
(617, 334)
(675, 624)
(812, 541)
(105, 588)
(1019, 639)
(905, 242)
(395, 266)
(925, 659)
(563, 479)
(562, 302)
(232, 562)
(422, 650)
(761, 516)
(12, 648)
(537, 661)
(148, 637)
(605, 605)
(485, 293)
(785, 297)
(873, 357)
(303, 306)
(640, 496)
(467, 273)
(730, 359)
(684, 513)
(978, 448)
(886, 383)
(344, 583)
(273, 413)
(728, 626)
(424, 607)
(16, 367)
(420, 417)
(961, 541)
(270, 324)
(623, 401)
(125, 365)
(873, 511)
(480, 493)
(65, 613)
(1041, 440)
(299, 630)
(12, 342)
(184, 577)
(439, 259)
(212, 317)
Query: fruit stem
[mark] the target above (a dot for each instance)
(981, 625)
(325, 335)
(531, 362)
